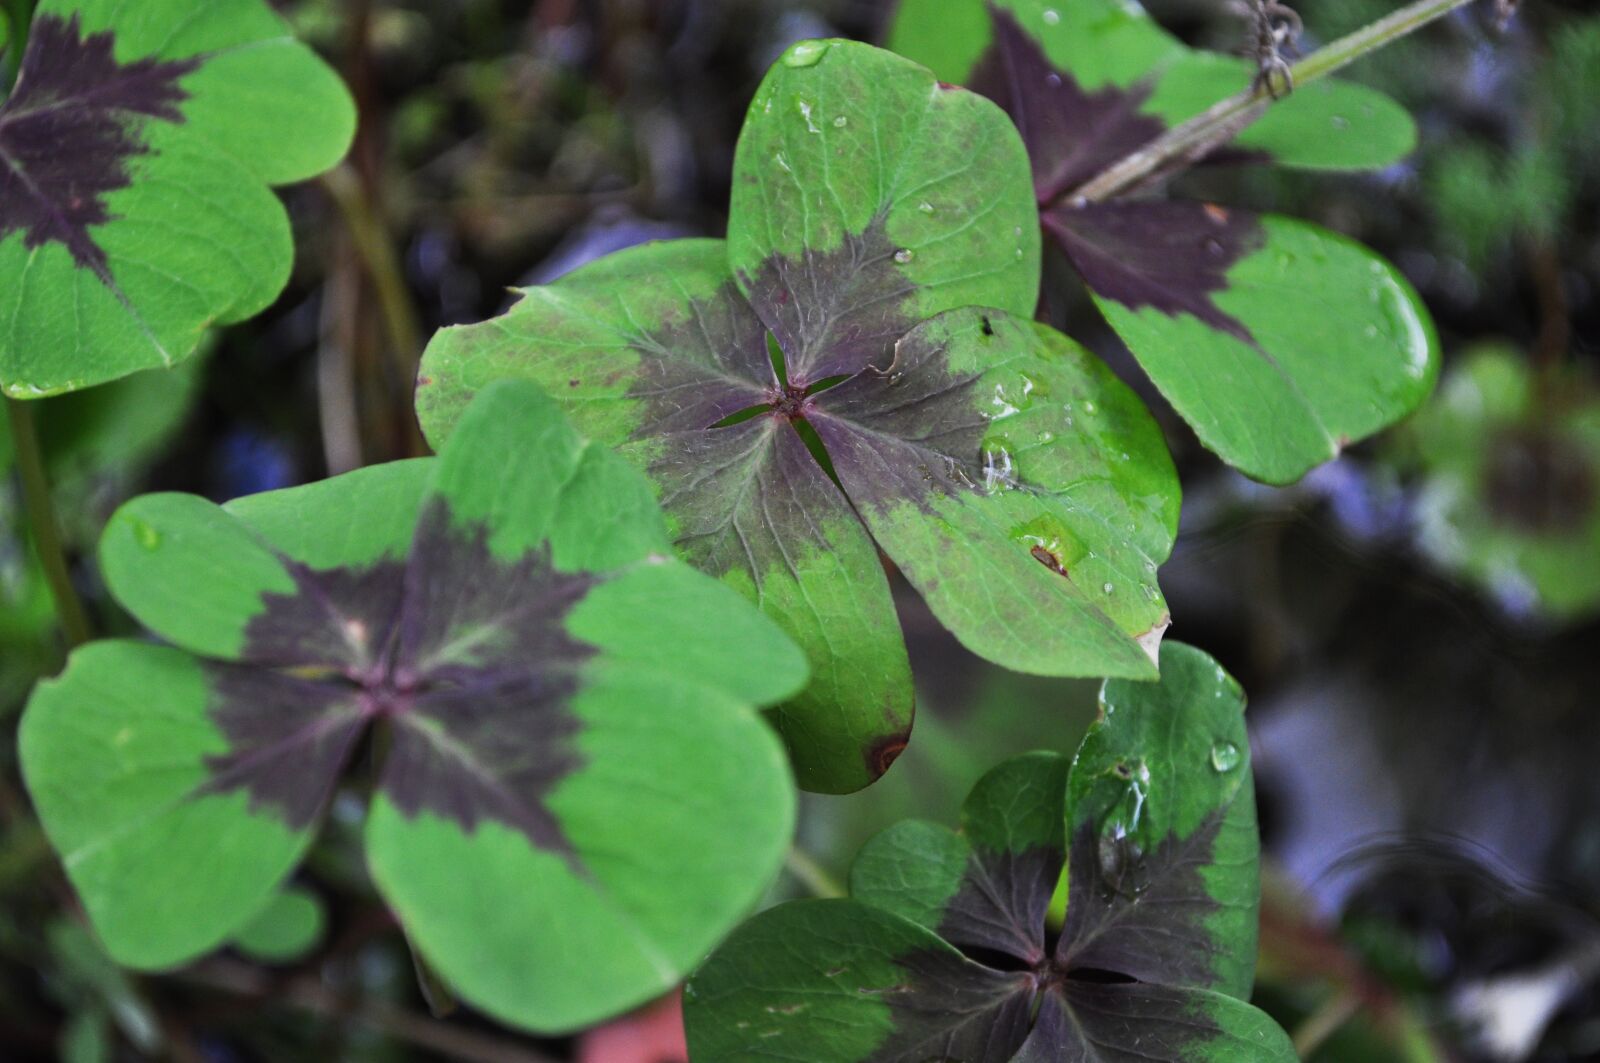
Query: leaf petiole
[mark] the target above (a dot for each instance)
(1223, 120)
(43, 525)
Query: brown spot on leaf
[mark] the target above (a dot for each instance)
(882, 754)
(1048, 560)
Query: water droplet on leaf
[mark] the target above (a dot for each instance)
(999, 469)
(1120, 854)
(805, 112)
(925, 207)
(1051, 16)
(1224, 756)
(146, 535)
(903, 256)
(806, 53)
(840, 122)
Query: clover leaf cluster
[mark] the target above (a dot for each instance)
(946, 948)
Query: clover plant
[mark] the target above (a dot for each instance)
(137, 151)
(669, 492)
(854, 369)
(552, 713)
(1279, 342)
(946, 949)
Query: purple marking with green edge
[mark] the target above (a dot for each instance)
(461, 655)
(69, 131)
(1071, 134)
(1172, 256)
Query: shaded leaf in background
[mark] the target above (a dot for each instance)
(1114, 48)
(942, 953)
(832, 343)
(1509, 468)
(96, 443)
(506, 621)
(1279, 342)
(288, 927)
(136, 151)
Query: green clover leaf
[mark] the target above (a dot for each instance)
(942, 953)
(559, 716)
(136, 151)
(853, 371)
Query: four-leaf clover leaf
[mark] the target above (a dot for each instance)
(555, 716)
(1279, 342)
(944, 951)
(136, 153)
(853, 370)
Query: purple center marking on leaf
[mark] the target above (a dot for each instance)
(833, 313)
(1171, 255)
(946, 1010)
(68, 131)
(1071, 134)
(1120, 934)
(1003, 908)
(1168, 255)
(462, 655)
(1142, 914)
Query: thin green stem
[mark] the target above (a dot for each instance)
(812, 875)
(1223, 120)
(42, 523)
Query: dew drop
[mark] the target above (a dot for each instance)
(1088, 407)
(1051, 16)
(1224, 756)
(840, 122)
(1019, 253)
(805, 112)
(1118, 851)
(999, 470)
(1053, 80)
(146, 535)
(783, 163)
(903, 255)
(1371, 332)
(1108, 587)
(806, 53)
(925, 207)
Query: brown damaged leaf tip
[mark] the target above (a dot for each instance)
(884, 752)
